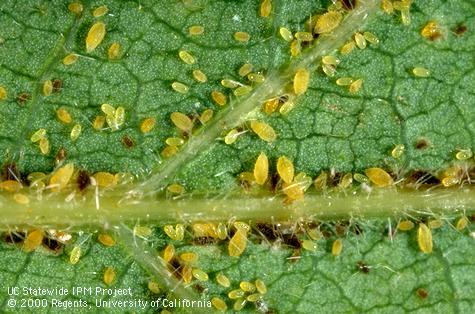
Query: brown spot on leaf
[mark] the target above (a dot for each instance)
(460, 30)
(421, 144)
(57, 85)
(14, 237)
(362, 267)
(128, 141)
(83, 180)
(422, 293)
(23, 97)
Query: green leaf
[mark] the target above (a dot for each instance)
(330, 130)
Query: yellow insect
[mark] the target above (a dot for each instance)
(360, 40)
(337, 247)
(421, 72)
(153, 286)
(238, 243)
(63, 115)
(47, 87)
(379, 177)
(231, 137)
(219, 98)
(168, 253)
(309, 245)
(424, 238)
(236, 294)
(301, 80)
(100, 11)
(435, 223)
(175, 141)
(464, 154)
(200, 76)
(60, 178)
(114, 51)
(3, 93)
(329, 70)
(169, 151)
(247, 286)
(242, 37)
(287, 107)
(196, 30)
(261, 286)
(147, 125)
(462, 223)
(95, 36)
(266, 8)
(254, 297)
(270, 105)
(33, 240)
(75, 132)
(105, 179)
(355, 86)
(142, 231)
(371, 38)
(109, 276)
(199, 274)
(285, 169)
(239, 304)
(180, 87)
(348, 47)
(21, 198)
(98, 123)
(206, 116)
(327, 22)
(176, 188)
(75, 7)
(186, 57)
(242, 90)
(228, 83)
(361, 178)
(261, 169)
(398, 151)
(387, 6)
(11, 186)
(189, 257)
(304, 36)
(264, 131)
(223, 280)
(75, 255)
(186, 274)
(222, 231)
(314, 234)
(219, 304)
(344, 81)
(181, 121)
(330, 60)
(405, 225)
(44, 146)
(38, 135)
(256, 77)
(295, 48)
(70, 59)
(106, 239)
(320, 182)
(245, 69)
(286, 34)
(108, 109)
(346, 181)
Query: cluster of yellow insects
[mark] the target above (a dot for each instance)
(291, 184)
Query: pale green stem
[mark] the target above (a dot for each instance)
(57, 213)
